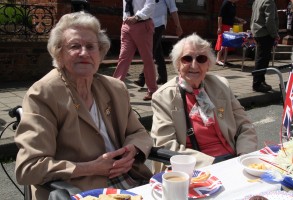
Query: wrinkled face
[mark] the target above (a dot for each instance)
(80, 54)
(193, 65)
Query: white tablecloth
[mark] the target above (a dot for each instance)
(234, 180)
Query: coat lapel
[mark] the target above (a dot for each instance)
(82, 111)
(178, 114)
(103, 101)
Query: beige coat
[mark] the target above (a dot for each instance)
(53, 134)
(169, 123)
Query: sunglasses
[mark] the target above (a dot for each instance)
(199, 59)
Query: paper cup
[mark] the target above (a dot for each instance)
(183, 163)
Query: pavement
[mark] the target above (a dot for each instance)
(11, 95)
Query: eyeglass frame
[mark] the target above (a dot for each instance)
(70, 48)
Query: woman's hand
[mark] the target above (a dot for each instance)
(124, 158)
(110, 164)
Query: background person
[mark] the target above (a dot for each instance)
(78, 125)
(137, 33)
(160, 20)
(221, 126)
(264, 27)
(289, 13)
(226, 19)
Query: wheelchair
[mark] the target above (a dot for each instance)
(60, 190)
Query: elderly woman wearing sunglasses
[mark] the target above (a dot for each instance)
(196, 113)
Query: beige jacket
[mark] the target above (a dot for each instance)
(169, 123)
(53, 135)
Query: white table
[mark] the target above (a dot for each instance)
(234, 180)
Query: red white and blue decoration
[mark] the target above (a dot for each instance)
(97, 192)
(197, 190)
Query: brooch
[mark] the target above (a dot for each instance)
(108, 111)
(76, 106)
(220, 112)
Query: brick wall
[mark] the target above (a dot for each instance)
(23, 61)
(20, 61)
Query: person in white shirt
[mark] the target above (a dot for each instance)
(160, 20)
(137, 33)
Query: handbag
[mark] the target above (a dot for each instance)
(190, 131)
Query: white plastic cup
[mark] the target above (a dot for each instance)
(183, 163)
(175, 185)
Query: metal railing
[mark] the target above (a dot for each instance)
(23, 21)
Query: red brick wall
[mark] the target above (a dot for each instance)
(23, 61)
(205, 24)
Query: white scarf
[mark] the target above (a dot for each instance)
(205, 107)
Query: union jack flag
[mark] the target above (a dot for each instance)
(269, 150)
(288, 106)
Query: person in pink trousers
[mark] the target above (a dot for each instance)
(137, 33)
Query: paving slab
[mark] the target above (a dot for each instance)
(11, 93)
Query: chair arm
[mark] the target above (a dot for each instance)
(162, 155)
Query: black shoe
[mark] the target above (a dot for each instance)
(139, 82)
(161, 81)
(262, 87)
(267, 85)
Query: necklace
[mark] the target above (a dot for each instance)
(76, 105)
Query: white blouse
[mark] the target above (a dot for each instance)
(96, 115)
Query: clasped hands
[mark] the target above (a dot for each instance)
(116, 163)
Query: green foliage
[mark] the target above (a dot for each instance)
(12, 15)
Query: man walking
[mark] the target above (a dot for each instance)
(160, 20)
(137, 33)
(264, 26)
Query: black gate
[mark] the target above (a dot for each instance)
(25, 21)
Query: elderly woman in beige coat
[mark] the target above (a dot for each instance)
(78, 125)
(219, 127)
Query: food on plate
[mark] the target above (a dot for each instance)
(260, 166)
(113, 197)
(258, 197)
(89, 198)
(270, 195)
(201, 178)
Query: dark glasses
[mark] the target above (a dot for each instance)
(199, 59)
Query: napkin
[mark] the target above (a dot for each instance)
(277, 177)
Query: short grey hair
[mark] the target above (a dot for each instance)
(202, 45)
(76, 19)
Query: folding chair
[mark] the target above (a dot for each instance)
(61, 190)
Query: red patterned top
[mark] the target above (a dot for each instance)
(210, 138)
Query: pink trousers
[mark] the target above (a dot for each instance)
(137, 36)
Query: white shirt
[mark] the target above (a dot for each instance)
(97, 117)
(142, 8)
(161, 11)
